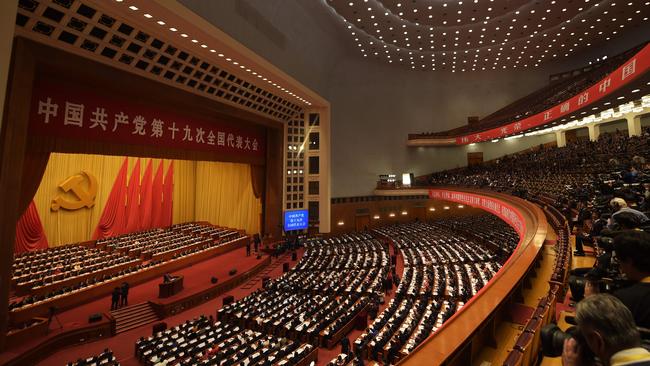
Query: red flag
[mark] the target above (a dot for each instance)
(157, 198)
(168, 194)
(133, 200)
(145, 198)
(113, 219)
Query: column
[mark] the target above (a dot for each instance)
(560, 137)
(633, 124)
(594, 132)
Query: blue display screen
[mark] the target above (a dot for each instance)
(296, 220)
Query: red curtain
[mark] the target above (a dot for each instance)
(133, 200)
(145, 198)
(168, 194)
(157, 198)
(29, 231)
(34, 165)
(113, 220)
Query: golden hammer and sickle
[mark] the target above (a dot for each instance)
(86, 198)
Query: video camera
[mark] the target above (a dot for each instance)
(553, 342)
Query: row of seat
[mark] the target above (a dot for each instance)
(444, 268)
(106, 358)
(112, 259)
(201, 341)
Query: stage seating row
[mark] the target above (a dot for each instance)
(85, 267)
(85, 261)
(201, 341)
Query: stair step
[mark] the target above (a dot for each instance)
(129, 308)
(133, 316)
(129, 317)
(142, 320)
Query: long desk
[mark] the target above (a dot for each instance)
(171, 288)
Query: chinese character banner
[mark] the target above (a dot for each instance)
(497, 207)
(71, 112)
(630, 70)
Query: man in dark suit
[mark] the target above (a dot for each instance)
(125, 294)
(115, 298)
(167, 278)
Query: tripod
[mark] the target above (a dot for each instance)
(53, 315)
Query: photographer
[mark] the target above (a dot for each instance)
(632, 250)
(581, 279)
(606, 326)
(597, 224)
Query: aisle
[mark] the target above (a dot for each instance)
(326, 355)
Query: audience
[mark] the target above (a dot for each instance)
(105, 358)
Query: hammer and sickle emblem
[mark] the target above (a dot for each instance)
(74, 184)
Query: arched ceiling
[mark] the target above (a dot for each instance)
(475, 35)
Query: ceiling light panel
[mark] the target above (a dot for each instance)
(426, 35)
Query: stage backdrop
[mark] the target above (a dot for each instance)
(220, 193)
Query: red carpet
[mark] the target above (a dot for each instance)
(123, 345)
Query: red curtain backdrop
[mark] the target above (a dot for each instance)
(34, 165)
(168, 194)
(133, 200)
(29, 232)
(157, 198)
(145, 198)
(113, 220)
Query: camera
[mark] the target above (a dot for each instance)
(553, 342)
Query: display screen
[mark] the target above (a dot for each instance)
(296, 220)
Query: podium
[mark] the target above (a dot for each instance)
(171, 288)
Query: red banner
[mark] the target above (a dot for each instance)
(503, 210)
(71, 111)
(630, 70)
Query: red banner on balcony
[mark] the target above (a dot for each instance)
(71, 111)
(503, 210)
(626, 73)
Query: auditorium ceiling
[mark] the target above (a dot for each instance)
(474, 35)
